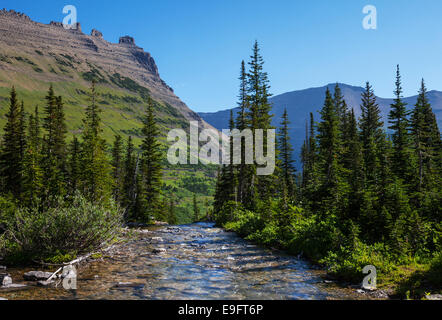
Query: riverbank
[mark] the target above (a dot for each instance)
(195, 261)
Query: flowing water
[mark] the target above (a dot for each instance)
(199, 262)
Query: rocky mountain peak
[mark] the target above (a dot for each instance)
(127, 40)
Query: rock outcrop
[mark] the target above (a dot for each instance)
(19, 34)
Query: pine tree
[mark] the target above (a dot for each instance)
(371, 135)
(74, 166)
(241, 124)
(128, 197)
(426, 141)
(171, 218)
(54, 148)
(259, 117)
(401, 165)
(329, 151)
(33, 174)
(118, 170)
(12, 148)
(286, 156)
(151, 168)
(96, 180)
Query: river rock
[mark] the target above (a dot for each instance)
(37, 275)
(44, 283)
(5, 279)
(3, 299)
(434, 297)
(2, 267)
(159, 250)
(158, 239)
(128, 285)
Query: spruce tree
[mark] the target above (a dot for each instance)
(33, 174)
(96, 180)
(399, 124)
(12, 151)
(118, 170)
(151, 168)
(371, 135)
(329, 151)
(54, 148)
(74, 165)
(286, 156)
(129, 181)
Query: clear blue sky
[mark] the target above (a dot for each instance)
(198, 44)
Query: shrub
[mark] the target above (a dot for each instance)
(67, 229)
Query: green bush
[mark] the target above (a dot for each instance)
(347, 263)
(68, 229)
(315, 236)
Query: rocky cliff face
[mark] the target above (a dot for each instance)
(19, 34)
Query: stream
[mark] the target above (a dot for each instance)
(197, 261)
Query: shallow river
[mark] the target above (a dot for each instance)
(200, 262)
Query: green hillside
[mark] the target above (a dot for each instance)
(123, 103)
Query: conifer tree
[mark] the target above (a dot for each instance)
(399, 124)
(33, 174)
(118, 170)
(329, 151)
(151, 169)
(371, 135)
(241, 124)
(286, 156)
(129, 181)
(171, 217)
(426, 141)
(74, 165)
(96, 180)
(54, 148)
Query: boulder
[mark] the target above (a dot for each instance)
(37, 276)
(5, 280)
(159, 250)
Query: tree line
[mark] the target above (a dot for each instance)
(360, 184)
(39, 165)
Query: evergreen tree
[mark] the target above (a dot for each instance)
(171, 218)
(401, 165)
(259, 117)
(96, 180)
(33, 174)
(151, 169)
(54, 148)
(118, 170)
(12, 152)
(426, 139)
(128, 197)
(329, 151)
(74, 166)
(371, 135)
(286, 156)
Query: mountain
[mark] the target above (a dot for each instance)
(34, 55)
(300, 103)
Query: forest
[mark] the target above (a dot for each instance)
(369, 193)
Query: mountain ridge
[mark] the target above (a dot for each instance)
(300, 103)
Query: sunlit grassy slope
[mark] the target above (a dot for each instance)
(123, 103)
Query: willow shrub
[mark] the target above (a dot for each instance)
(68, 229)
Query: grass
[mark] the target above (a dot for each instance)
(123, 104)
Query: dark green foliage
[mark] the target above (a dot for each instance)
(12, 148)
(117, 170)
(286, 159)
(151, 168)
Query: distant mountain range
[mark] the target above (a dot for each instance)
(300, 103)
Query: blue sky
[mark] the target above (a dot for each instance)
(198, 44)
